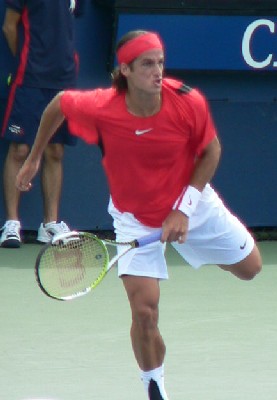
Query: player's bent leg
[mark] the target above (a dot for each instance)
(247, 268)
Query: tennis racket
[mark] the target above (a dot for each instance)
(74, 263)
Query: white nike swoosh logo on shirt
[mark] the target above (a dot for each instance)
(141, 132)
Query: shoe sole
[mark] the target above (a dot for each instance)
(11, 244)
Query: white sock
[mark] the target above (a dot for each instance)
(157, 375)
(49, 223)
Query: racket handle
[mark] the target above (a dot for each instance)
(153, 237)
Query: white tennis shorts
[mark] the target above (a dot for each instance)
(215, 236)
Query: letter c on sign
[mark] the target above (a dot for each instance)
(246, 41)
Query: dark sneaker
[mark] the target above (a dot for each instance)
(153, 391)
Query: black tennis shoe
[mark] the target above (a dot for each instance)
(154, 391)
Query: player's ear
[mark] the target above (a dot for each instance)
(124, 69)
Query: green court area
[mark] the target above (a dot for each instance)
(221, 335)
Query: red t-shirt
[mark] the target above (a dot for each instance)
(148, 160)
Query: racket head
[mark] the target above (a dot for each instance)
(71, 265)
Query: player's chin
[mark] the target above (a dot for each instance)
(156, 89)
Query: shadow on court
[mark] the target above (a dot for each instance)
(221, 335)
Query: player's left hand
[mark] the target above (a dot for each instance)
(175, 227)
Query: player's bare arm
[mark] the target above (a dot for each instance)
(206, 165)
(51, 119)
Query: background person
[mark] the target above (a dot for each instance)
(40, 34)
(160, 151)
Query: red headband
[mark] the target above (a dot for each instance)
(135, 47)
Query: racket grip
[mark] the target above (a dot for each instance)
(153, 237)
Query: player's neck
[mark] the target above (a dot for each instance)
(143, 107)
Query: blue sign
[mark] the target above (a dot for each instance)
(198, 42)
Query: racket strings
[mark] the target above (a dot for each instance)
(72, 266)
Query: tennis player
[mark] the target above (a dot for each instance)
(160, 151)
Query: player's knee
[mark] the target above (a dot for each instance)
(146, 319)
(255, 263)
(254, 270)
(251, 265)
(248, 273)
(246, 269)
